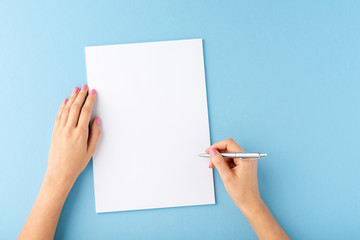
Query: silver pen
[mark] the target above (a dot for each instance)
(237, 155)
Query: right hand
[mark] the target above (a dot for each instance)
(239, 175)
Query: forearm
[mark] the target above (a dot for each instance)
(71, 149)
(43, 218)
(262, 221)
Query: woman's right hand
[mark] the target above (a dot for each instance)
(240, 180)
(239, 175)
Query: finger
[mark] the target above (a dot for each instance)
(245, 161)
(58, 116)
(221, 165)
(237, 161)
(228, 160)
(94, 136)
(65, 114)
(211, 165)
(228, 145)
(85, 114)
(76, 107)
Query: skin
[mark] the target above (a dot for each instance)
(72, 147)
(240, 180)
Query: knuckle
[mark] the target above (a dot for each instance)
(66, 109)
(80, 134)
(67, 132)
(75, 105)
(86, 110)
(83, 128)
(82, 95)
(230, 140)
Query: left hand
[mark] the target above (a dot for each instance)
(71, 146)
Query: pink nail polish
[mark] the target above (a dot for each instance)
(76, 90)
(98, 121)
(84, 87)
(212, 152)
(65, 100)
(210, 164)
(92, 92)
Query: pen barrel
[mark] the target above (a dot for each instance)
(243, 155)
(247, 155)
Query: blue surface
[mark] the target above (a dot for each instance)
(283, 77)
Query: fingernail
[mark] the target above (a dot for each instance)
(92, 92)
(207, 149)
(98, 121)
(209, 164)
(212, 152)
(76, 90)
(84, 87)
(65, 100)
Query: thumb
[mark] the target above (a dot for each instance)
(220, 164)
(94, 135)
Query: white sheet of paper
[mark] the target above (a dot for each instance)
(151, 98)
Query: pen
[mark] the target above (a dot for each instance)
(237, 155)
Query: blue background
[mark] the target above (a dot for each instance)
(283, 77)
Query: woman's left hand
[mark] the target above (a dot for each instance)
(70, 151)
(71, 146)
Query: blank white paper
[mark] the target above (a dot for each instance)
(151, 98)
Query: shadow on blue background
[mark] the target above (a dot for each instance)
(282, 78)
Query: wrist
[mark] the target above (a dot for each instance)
(251, 203)
(61, 174)
(58, 183)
